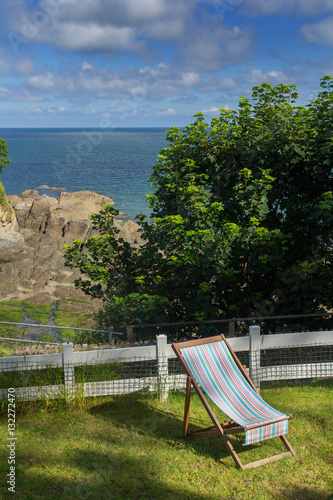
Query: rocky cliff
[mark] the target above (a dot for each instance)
(33, 230)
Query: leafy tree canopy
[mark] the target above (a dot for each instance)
(3, 154)
(241, 219)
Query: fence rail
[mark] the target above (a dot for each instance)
(150, 365)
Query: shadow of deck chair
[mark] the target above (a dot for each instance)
(213, 368)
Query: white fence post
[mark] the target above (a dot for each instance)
(254, 358)
(162, 367)
(68, 365)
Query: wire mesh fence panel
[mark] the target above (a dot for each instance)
(296, 364)
(136, 368)
(42, 381)
(296, 355)
(117, 377)
(175, 367)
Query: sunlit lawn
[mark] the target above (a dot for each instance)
(130, 447)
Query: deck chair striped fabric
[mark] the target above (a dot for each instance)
(214, 369)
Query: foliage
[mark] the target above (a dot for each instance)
(241, 217)
(4, 161)
(135, 308)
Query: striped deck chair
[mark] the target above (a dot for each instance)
(213, 368)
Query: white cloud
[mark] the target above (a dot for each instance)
(42, 82)
(213, 110)
(112, 26)
(56, 110)
(166, 30)
(154, 82)
(214, 84)
(21, 66)
(25, 65)
(104, 25)
(274, 77)
(169, 111)
(213, 46)
(228, 82)
(189, 79)
(86, 65)
(3, 62)
(22, 95)
(94, 37)
(321, 32)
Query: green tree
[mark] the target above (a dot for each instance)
(3, 162)
(3, 154)
(241, 217)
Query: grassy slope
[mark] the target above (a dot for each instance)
(69, 314)
(129, 447)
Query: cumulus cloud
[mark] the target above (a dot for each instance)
(202, 42)
(321, 32)
(56, 110)
(87, 25)
(19, 94)
(155, 82)
(169, 111)
(45, 81)
(3, 62)
(256, 77)
(213, 45)
(93, 37)
(212, 110)
(23, 65)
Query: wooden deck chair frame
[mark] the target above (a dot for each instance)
(222, 429)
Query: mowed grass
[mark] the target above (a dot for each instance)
(130, 447)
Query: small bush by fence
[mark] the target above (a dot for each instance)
(154, 368)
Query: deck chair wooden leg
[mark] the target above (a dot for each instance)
(213, 419)
(287, 444)
(187, 405)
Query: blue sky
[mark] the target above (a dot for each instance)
(142, 63)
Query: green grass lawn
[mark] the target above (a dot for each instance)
(130, 447)
(11, 311)
(69, 313)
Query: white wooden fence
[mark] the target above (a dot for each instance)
(254, 344)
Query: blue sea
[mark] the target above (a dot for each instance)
(113, 162)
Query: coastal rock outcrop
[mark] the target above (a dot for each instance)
(33, 230)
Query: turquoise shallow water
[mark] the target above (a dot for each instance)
(112, 162)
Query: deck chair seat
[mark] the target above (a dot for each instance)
(213, 369)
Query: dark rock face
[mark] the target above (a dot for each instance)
(33, 231)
